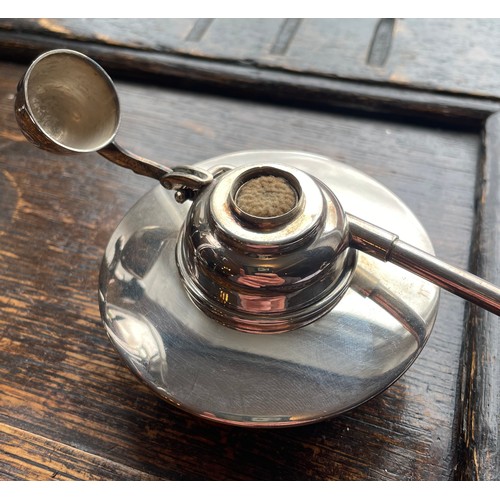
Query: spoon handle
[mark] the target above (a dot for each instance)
(116, 154)
(387, 247)
(186, 180)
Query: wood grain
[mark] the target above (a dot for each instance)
(285, 36)
(60, 380)
(456, 56)
(479, 402)
(244, 79)
(51, 460)
(381, 43)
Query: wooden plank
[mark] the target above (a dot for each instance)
(59, 376)
(456, 56)
(479, 408)
(47, 460)
(273, 84)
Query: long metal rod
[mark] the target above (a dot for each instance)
(387, 246)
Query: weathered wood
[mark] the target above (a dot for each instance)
(60, 380)
(380, 46)
(458, 56)
(51, 460)
(479, 402)
(246, 79)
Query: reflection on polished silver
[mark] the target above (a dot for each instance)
(66, 103)
(388, 247)
(265, 274)
(205, 363)
(185, 292)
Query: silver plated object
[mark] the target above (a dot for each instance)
(241, 318)
(346, 356)
(67, 104)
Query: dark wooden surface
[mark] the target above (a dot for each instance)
(452, 55)
(69, 409)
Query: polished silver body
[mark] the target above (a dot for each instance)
(265, 274)
(346, 356)
(251, 320)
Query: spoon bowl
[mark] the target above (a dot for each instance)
(67, 103)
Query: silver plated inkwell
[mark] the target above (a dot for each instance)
(259, 288)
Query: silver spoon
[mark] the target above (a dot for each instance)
(66, 103)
